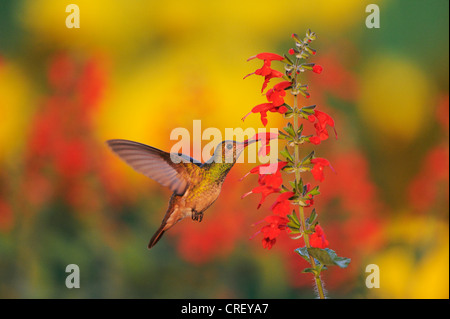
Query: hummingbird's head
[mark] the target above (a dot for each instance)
(229, 151)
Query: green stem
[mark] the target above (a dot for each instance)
(319, 284)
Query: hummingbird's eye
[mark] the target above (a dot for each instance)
(230, 146)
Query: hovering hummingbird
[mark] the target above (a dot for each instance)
(195, 185)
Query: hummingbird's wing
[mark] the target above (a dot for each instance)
(156, 164)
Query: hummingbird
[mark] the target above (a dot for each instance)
(195, 185)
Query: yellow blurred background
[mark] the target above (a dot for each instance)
(138, 70)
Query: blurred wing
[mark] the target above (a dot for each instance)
(156, 164)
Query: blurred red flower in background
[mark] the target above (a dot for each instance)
(63, 159)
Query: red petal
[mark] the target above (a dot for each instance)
(320, 161)
(282, 86)
(269, 56)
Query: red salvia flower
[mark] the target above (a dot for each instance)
(266, 69)
(272, 230)
(268, 183)
(257, 169)
(275, 96)
(323, 119)
(318, 239)
(317, 170)
(282, 206)
(277, 93)
(264, 108)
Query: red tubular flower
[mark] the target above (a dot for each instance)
(323, 119)
(268, 183)
(282, 206)
(266, 69)
(272, 230)
(277, 93)
(275, 96)
(257, 169)
(264, 108)
(317, 170)
(318, 239)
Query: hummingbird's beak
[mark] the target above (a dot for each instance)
(248, 142)
(240, 146)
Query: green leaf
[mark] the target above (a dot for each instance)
(328, 257)
(303, 251)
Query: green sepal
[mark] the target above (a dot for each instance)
(310, 35)
(300, 130)
(314, 191)
(308, 109)
(296, 38)
(282, 135)
(307, 66)
(307, 158)
(290, 129)
(288, 169)
(287, 60)
(287, 155)
(288, 114)
(312, 217)
(294, 223)
(300, 184)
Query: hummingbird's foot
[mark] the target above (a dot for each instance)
(197, 216)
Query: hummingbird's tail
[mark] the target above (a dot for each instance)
(157, 236)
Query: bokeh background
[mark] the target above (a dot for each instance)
(139, 69)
